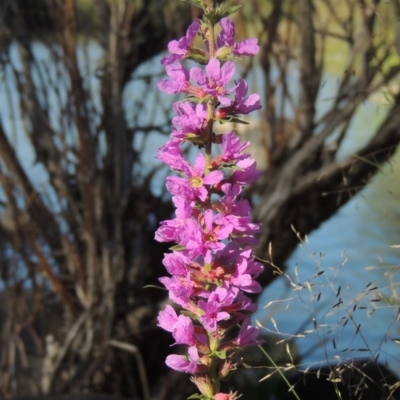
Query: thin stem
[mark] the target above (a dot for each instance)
(210, 110)
(270, 359)
(210, 104)
(211, 40)
(213, 374)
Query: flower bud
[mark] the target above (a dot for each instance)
(203, 384)
(221, 113)
(226, 396)
(226, 370)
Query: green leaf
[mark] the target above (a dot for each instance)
(231, 10)
(221, 354)
(214, 19)
(232, 168)
(237, 121)
(199, 396)
(199, 58)
(197, 3)
(177, 247)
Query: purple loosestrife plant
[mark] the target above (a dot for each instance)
(211, 265)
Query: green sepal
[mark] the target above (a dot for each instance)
(220, 354)
(189, 314)
(202, 60)
(223, 58)
(214, 16)
(231, 167)
(231, 10)
(229, 376)
(196, 3)
(231, 119)
(177, 247)
(237, 121)
(195, 139)
(194, 99)
(199, 396)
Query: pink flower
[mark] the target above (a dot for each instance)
(242, 104)
(213, 308)
(179, 289)
(216, 79)
(242, 278)
(247, 335)
(167, 318)
(183, 331)
(179, 82)
(226, 38)
(248, 173)
(168, 230)
(171, 154)
(226, 396)
(190, 118)
(212, 314)
(232, 147)
(181, 49)
(184, 364)
(193, 187)
(176, 263)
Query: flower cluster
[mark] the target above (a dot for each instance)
(211, 265)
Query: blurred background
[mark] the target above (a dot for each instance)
(81, 192)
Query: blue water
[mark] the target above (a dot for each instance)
(353, 248)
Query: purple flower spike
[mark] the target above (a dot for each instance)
(210, 268)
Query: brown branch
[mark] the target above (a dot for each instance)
(309, 73)
(36, 207)
(325, 191)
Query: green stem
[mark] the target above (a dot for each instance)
(213, 374)
(279, 371)
(210, 122)
(210, 104)
(211, 39)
